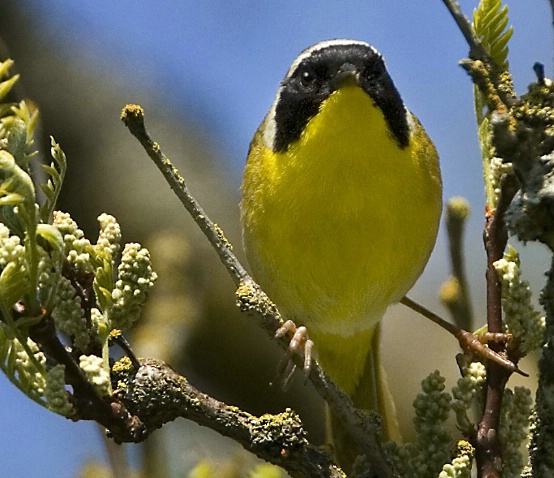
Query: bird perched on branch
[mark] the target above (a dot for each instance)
(341, 201)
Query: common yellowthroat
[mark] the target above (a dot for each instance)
(341, 201)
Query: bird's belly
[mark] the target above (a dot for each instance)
(336, 263)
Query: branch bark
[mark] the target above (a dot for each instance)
(108, 412)
(158, 395)
(488, 451)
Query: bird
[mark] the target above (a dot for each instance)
(340, 208)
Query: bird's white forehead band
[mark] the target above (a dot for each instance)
(321, 46)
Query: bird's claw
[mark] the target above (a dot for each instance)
(299, 343)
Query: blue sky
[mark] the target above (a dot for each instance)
(220, 62)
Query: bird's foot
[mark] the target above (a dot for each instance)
(476, 343)
(299, 343)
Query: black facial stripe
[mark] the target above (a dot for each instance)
(300, 97)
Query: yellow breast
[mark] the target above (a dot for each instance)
(342, 223)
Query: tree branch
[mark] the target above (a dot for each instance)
(133, 117)
(528, 144)
(90, 406)
(476, 50)
(469, 342)
(488, 451)
(159, 395)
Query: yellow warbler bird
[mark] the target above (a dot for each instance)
(341, 201)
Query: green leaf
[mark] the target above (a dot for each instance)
(51, 189)
(17, 186)
(490, 25)
(52, 235)
(6, 86)
(13, 284)
(490, 20)
(17, 139)
(5, 66)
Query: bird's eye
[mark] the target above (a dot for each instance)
(373, 70)
(307, 77)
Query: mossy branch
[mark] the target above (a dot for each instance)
(159, 395)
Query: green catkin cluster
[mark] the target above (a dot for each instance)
(55, 393)
(516, 412)
(109, 237)
(69, 316)
(403, 458)
(97, 375)
(48, 268)
(135, 279)
(434, 443)
(520, 318)
(497, 168)
(11, 249)
(30, 368)
(98, 321)
(78, 249)
(468, 392)
(47, 277)
(460, 467)
(432, 408)
(58, 295)
(12, 267)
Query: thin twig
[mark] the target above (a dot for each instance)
(477, 52)
(253, 300)
(133, 117)
(475, 48)
(469, 342)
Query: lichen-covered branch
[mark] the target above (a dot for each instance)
(476, 49)
(482, 68)
(157, 394)
(526, 139)
(541, 448)
(133, 117)
(513, 133)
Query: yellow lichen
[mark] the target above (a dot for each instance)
(222, 238)
(250, 297)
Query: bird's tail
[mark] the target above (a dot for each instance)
(372, 393)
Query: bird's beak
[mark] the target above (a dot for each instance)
(348, 74)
